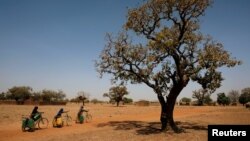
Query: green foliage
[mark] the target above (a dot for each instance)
(202, 96)
(142, 103)
(95, 101)
(36, 96)
(185, 99)
(52, 96)
(222, 99)
(19, 93)
(245, 96)
(22, 93)
(208, 100)
(127, 100)
(2, 96)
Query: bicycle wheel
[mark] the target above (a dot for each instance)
(88, 118)
(68, 121)
(24, 129)
(43, 123)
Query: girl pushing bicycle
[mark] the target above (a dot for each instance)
(80, 117)
(58, 122)
(29, 123)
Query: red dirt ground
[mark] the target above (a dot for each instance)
(110, 123)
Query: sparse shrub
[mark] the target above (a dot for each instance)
(234, 104)
(127, 100)
(248, 105)
(142, 103)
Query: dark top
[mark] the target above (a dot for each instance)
(59, 113)
(34, 112)
(81, 111)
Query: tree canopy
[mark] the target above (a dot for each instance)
(202, 96)
(51, 95)
(234, 96)
(222, 99)
(20, 93)
(116, 94)
(171, 51)
(245, 96)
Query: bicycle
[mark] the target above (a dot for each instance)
(27, 123)
(84, 118)
(40, 123)
(88, 117)
(67, 119)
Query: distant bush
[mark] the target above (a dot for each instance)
(155, 103)
(184, 103)
(96, 101)
(248, 105)
(234, 104)
(142, 103)
(53, 103)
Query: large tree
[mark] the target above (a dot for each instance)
(172, 52)
(116, 94)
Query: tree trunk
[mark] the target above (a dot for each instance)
(170, 110)
(117, 103)
(163, 117)
(167, 109)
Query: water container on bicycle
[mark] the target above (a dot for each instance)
(58, 122)
(37, 116)
(81, 119)
(28, 123)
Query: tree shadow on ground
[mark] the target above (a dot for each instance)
(141, 127)
(191, 125)
(147, 128)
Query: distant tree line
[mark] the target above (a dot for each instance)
(22, 93)
(233, 97)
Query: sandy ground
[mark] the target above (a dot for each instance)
(129, 122)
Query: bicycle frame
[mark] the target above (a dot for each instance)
(67, 118)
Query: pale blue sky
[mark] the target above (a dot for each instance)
(52, 44)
